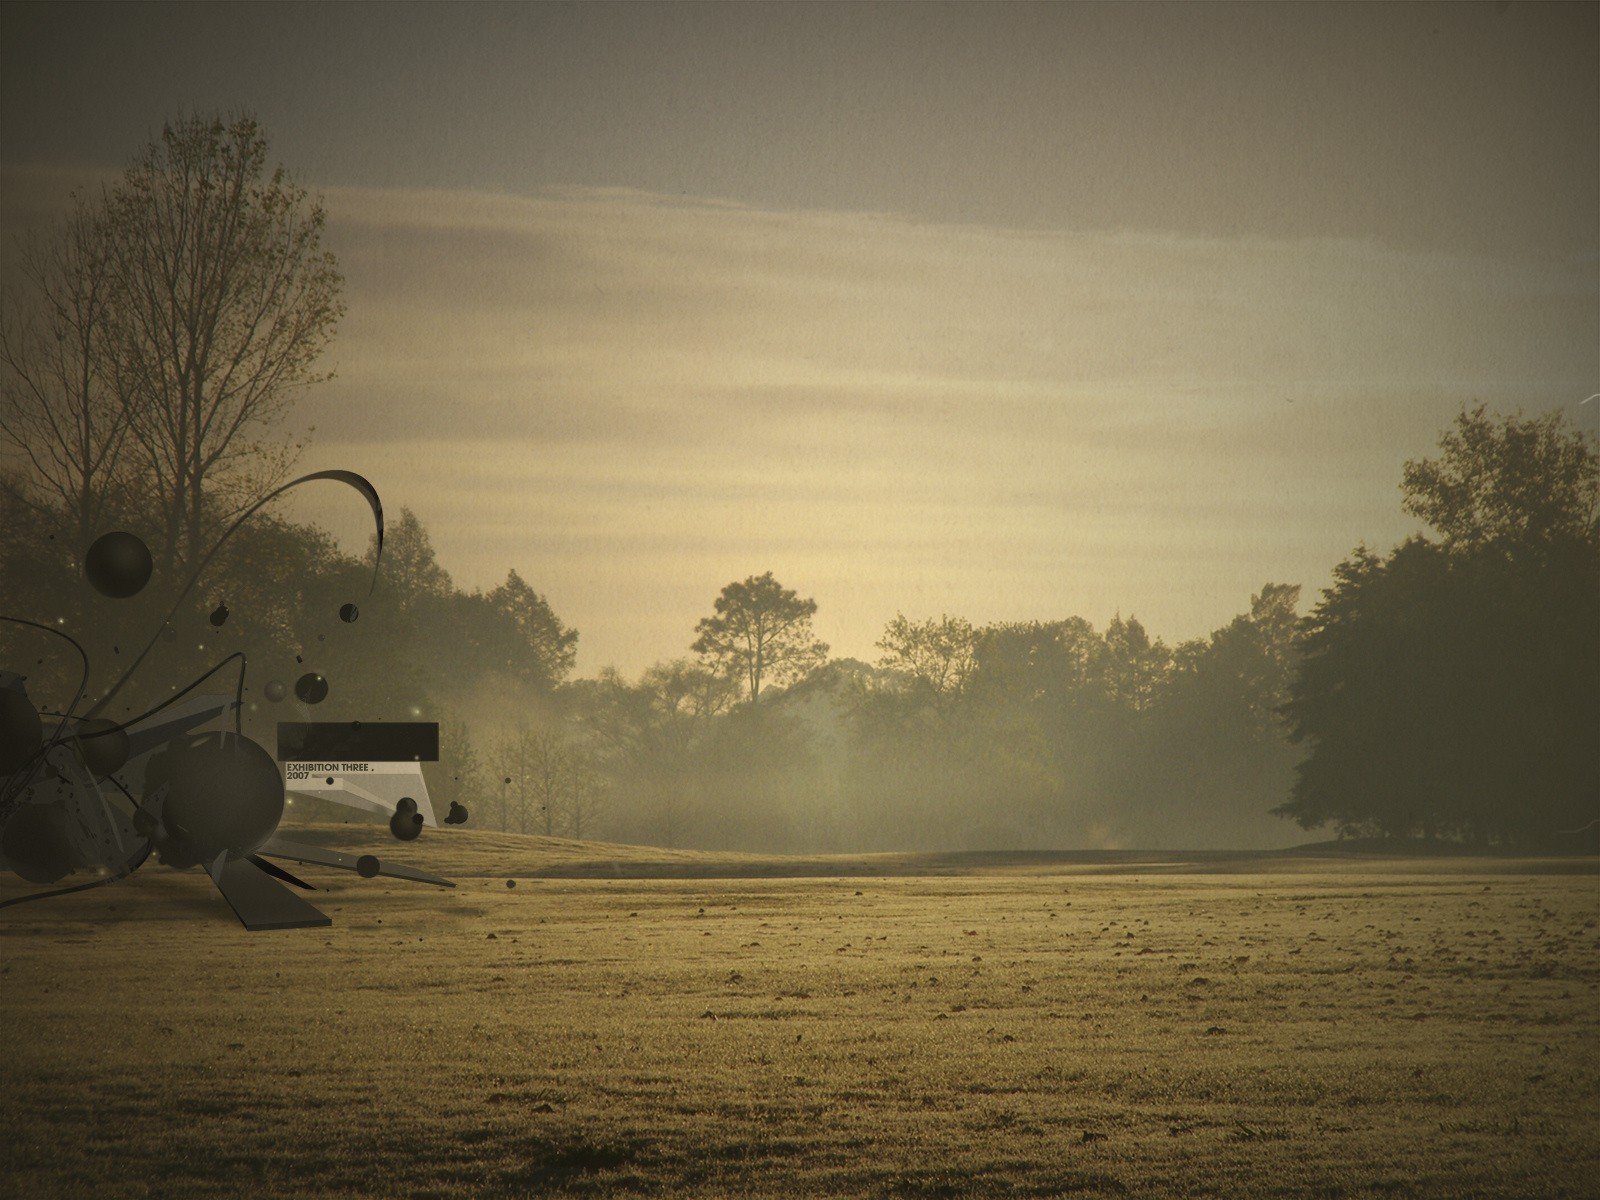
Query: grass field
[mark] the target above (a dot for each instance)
(632, 1021)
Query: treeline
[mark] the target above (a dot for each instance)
(1448, 689)
(1031, 734)
(1037, 734)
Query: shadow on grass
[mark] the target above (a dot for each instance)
(577, 1166)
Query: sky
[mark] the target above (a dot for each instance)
(1014, 312)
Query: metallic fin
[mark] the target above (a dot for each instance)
(277, 872)
(277, 847)
(258, 900)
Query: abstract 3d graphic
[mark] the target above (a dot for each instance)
(102, 796)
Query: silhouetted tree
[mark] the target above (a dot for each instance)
(1512, 481)
(1454, 686)
(60, 407)
(932, 657)
(411, 572)
(223, 299)
(760, 634)
(547, 648)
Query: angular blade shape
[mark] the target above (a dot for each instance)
(277, 847)
(259, 901)
(277, 872)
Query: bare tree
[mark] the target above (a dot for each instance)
(547, 772)
(60, 409)
(514, 756)
(553, 783)
(224, 299)
(586, 797)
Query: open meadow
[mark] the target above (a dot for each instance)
(636, 1021)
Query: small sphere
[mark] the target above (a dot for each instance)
(275, 690)
(118, 564)
(348, 613)
(511, 883)
(219, 616)
(406, 805)
(407, 827)
(367, 866)
(311, 688)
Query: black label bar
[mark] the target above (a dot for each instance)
(358, 741)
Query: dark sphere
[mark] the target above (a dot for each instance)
(406, 826)
(103, 744)
(348, 613)
(118, 565)
(406, 805)
(311, 688)
(275, 690)
(511, 883)
(367, 866)
(225, 795)
(21, 730)
(219, 616)
(35, 843)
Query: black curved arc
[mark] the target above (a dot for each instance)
(358, 482)
(133, 865)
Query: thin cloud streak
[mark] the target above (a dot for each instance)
(633, 399)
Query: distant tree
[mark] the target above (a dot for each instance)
(460, 774)
(681, 692)
(548, 648)
(760, 634)
(1256, 654)
(410, 573)
(223, 299)
(647, 737)
(585, 810)
(1454, 686)
(1133, 667)
(1214, 757)
(934, 656)
(548, 770)
(514, 762)
(553, 784)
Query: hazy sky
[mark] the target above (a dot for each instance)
(1007, 311)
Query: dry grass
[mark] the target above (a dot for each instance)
(894, 1027)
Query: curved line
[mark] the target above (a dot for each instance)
(238, 700)
(368, 492)
(133, 865)
(123, 788)
(83, 681)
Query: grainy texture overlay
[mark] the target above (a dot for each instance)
(889, 1026)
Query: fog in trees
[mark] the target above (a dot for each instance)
(1447, 688)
